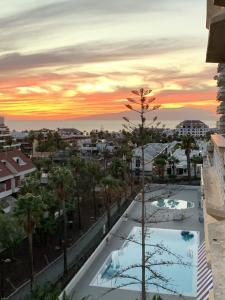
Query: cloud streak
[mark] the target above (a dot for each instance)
(79, 8)
(92, 52)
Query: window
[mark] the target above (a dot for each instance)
(138, 162)
(2, 187)
(19, 161)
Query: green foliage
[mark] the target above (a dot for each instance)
(172, 160)
(159, 164)
(45, 292)
(60, 178)
(29, 210)
(157, 297)
(31, 184)
(117, 168)
(10, 233)
(77, 166)
(51, 144)
(110, 183)
(196, 159)
(188, 143)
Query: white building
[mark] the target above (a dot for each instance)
(151, 151)
(6, 138)
(4, 132)
(195, 128)
(14, 166)
(104, 145)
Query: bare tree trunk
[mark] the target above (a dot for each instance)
(188, 165)
(143, 228)
(195, 170)
(143, 283)
(78, 207)
(30, 243)
(94, 202)
(64, 238)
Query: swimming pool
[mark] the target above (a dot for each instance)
(183, 279)
(173, 204)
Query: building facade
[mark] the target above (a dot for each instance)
(14, 166)
(195, 128)
(213, 174)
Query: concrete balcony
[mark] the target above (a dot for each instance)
(4, 194)
(220, 79)
(221, 108)
(210, 147)
(216, 42)
(220, 125)
(219, 2)
(221, 94)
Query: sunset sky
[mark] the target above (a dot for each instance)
(74, 58)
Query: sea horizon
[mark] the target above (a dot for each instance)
(85, 125)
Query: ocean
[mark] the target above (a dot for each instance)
(84, 125)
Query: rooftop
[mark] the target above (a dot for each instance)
(80, 287)
(17, 160)
(218, 139)
(192, 123)
(151, 150)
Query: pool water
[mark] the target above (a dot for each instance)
(115, 271)
(173, 204)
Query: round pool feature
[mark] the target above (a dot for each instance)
(173, 204)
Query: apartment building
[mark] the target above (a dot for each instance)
(195, 128)
(14, 166)
(213, 177)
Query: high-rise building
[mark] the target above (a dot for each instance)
(4, 133)
(213, 179)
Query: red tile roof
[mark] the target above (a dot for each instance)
(4, 172)
(10, 157)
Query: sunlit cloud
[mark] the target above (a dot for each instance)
(63, 59)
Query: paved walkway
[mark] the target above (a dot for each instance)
(191, 222)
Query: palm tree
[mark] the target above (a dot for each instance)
(31, 184)
(29, 209)
(48, 222)
(125, 152)
(172, 160)
(93, 169)
(118, 170)
(188, 144)
(196, 159)
(108, 183)
(61, 180)
(106, 155)
(11, 234)
(77, 166)
(160, 163)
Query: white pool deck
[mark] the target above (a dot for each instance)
(80, 287)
